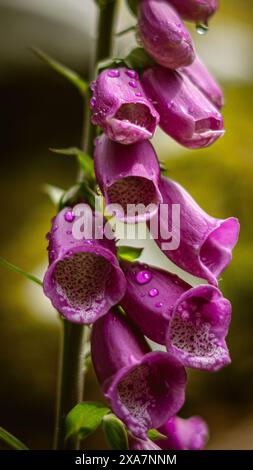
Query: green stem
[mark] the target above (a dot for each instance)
(72, 370)
(71, 380)
(104, 45)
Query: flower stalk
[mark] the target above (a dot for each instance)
(72, 366)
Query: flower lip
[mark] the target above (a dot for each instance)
(132, 122)
(198, 328)
(138, 191)
(216, 251)
(90, 292)
(148, 392)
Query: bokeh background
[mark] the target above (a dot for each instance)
(39, 110)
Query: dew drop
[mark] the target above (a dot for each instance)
(202, 29)
(143, 277)
(158, 305)
(132, 74)
(113, 73)
(153, 292)
(55, 228)
(93, 102)
(138, 93)
(133, 84)
(69, 216)
(69, 232)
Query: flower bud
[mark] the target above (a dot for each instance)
(198, 11)
(163, 34)
(185, 113)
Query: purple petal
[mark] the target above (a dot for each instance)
(184, 434)
(139, 444)
(150, 304)
(84, 279)
(120, 106)
(198, 11)
(128, 175)
(198, 328)
(185, 112)
(206, 244)
(199, 75)
(144, 388)
(163, 34)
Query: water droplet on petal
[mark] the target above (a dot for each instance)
(153, 292)
(69, 216)
(55, 228)
(93, 102)
(113, 73)
(133, 84)
(68, 232)
(138, 93)
(158, 305)
(132, 74)
(143, 277)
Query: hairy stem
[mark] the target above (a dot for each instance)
(71, 380)
(103, 50)
(72, 369)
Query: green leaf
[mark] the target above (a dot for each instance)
(84, 160)
(11, 440)
(84, 419)
(55, 194)
(69, 74)
(14, 268)
(129, 253)
(115, 432)
(138, 59)
(80, 192)
(133, 6)
(104, 3)
(126, 30)
(155, 435)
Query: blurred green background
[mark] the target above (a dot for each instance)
(39, 110)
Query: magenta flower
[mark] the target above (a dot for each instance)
(185, 113)
(198, 328)
(163, 34)
(195, 10)
(198, 73)
(144, 388)
(128, 175)
(192, 321)
(83, 280)
(120, 106)
(150, 297)
(140, 444)
(206, 243)
(184, 434)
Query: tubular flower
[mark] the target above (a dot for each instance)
(198, 328)
(144, 388)
(191, 321)
(163, 34)
(120, 107)
(150, 297)
(184, 434)
(185, 113)
(83, 280)
(198, 11)
(205, 243)
(199, 75)
(128, 176)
